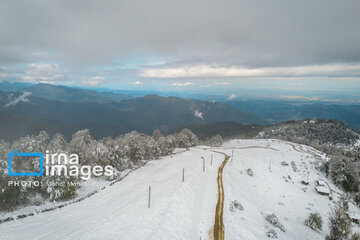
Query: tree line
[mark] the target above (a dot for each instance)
(123, 152)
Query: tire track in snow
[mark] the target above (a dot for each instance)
(316, 154)
(219, 233)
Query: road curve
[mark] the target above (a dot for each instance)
(219, 233)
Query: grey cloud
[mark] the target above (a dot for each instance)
(234, 32)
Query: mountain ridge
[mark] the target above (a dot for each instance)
(143, 114)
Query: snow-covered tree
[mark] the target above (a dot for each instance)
(136, 148)
(165, 145)
(11, 196)
(171, 139)
(152, 149)
(156, 134)
(59, 187)
(339, 224)
(58, 144)
(4, 149)
(116, 153)
(345, 173)
(122, 153)
(214, 141)
(30, 144)
(186, 138)
(82, 144)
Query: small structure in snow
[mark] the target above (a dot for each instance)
(322, 190)
(321, 183)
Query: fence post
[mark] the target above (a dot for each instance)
(203, 164)
(270, 165)
(211, 159)
(232, 156)
(183, 175)
(149, 196)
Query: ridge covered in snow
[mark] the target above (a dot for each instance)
(270, 187)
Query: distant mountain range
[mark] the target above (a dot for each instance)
(28, 108)
(13, 86)
(306, 131)
(22, 113)
(68, 94)
(276, 111)
(225, 129)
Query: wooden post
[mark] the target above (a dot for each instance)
(232, 156)
(183, 176)
(270, 165)
(149, 196)
(203, 164)
(211, 159)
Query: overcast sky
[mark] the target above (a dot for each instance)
(185, 44)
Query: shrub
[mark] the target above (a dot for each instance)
(250, 172)
(273, 220)
(235, 205)
(271, 233)
(314, 221)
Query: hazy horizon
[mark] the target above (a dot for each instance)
(223, 48)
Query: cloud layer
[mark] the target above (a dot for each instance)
(47, 73)
(207, 71)
(236, 32)
(94, 81)
(120, 43)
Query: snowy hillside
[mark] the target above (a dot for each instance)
(275, 187)
(263, 178)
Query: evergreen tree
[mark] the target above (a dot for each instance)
(340, 224)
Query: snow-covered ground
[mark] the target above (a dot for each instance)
(264, 177)
(274, 188)
(178, 210)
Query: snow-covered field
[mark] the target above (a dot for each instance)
(178, 210)
(274, 188)
(186, 210)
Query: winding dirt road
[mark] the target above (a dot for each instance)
(219, 222)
